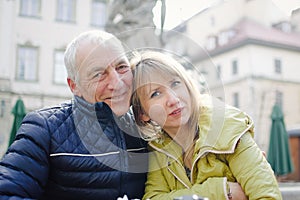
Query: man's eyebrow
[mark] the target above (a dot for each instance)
(121, 61)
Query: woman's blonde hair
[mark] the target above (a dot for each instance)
(143, 65)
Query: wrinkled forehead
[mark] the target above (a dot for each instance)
(100, 54)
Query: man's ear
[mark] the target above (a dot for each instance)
(73, 87)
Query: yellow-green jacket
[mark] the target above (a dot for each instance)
(225, 151)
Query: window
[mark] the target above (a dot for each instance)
(66, 10)
(211, 43)
(2, 108)
(204, 72)
(219, 72)
(286, 27)
(279, 98)
(277, 65)
(212, 21)
(98, 15)
(225, 36)
(60, 72)
(234, 67)
(283, 26)
(30, 8)
(236, 102)
(27, 63)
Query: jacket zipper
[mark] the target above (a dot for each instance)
(171, 156)
(199, 156)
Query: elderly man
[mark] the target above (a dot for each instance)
(88, 148)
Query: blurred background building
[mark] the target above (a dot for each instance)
(33, 37)
(245, 52)
(252, 59)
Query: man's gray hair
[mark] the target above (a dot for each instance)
(93, 37)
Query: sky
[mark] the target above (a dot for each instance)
(180, 10)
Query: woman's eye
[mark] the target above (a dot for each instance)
(175, 83)
(154, 94)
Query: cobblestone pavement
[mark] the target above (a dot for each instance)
(290, 190)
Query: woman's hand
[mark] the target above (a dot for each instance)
(237, 191)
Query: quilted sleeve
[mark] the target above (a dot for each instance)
(252, 170)
(24, 167)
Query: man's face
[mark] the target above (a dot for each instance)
(104, 75)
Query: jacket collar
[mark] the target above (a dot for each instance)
(99, 111)
(167, 146)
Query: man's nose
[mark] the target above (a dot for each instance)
(114, 79)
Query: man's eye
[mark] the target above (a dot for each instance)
(99, 76)
(154, 94)
(122, 68)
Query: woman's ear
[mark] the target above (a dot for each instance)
(144, 117)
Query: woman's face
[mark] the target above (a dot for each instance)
(166, 101)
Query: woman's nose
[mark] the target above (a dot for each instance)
(172, 98)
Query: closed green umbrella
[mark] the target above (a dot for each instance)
(19, 113)
(279, 152)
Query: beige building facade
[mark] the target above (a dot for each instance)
(33, 37)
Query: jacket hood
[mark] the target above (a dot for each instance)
(221, 126)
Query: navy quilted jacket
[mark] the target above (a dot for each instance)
(74, 151)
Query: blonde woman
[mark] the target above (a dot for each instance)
(198, 146)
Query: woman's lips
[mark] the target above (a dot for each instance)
(176, 112)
